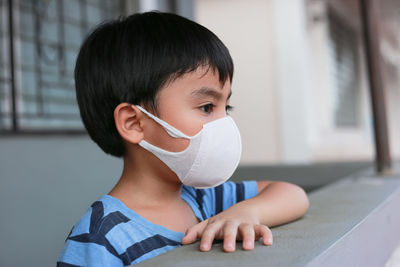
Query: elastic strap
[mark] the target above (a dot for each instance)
(172, 131)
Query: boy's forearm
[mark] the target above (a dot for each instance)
(278, 203)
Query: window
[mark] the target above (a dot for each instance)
(344, 45)
(37, 58)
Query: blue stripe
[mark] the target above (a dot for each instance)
(219, 196)
(145, 246)
(199, 200)
(100, 226)
(97, 239)
(239, 192)
(189, 190)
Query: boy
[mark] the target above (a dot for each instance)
(154, 89)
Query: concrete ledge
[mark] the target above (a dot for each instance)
(372, 239)
(353, 222)
(308, 176)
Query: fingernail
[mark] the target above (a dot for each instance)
(269, 240)
(203, 246)
(247, 244)
(229, 248)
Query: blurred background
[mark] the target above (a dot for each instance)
(300, 92)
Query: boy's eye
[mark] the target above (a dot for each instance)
(207, 108)
(228, 108)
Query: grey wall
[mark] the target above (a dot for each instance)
(46, 184)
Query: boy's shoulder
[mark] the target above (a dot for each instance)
(101, 218)
(109, 229)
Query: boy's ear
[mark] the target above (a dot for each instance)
(128, 121)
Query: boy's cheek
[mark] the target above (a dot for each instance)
(157, 136)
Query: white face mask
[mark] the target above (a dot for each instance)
(211, 157)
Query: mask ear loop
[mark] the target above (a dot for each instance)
(172, 131)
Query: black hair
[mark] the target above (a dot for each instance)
(130, 59)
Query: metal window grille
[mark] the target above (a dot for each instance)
(39, 42)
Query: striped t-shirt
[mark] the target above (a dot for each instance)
(111, 234)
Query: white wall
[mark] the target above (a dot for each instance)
(245, 27)
(295, 80)
(390, 53)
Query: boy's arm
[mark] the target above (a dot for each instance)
(276, 203)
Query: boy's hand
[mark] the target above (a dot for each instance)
(230, 225)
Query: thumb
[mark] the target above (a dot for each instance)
(194, 232)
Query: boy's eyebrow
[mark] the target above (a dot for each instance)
(207, 91)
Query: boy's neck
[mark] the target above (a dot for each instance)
(153, 191)
(146, 182)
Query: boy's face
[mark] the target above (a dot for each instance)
(187, 103)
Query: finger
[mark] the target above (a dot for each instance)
(266, 234)
(248, 236)
(208, 235)
(230, 230)
(194, 232)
